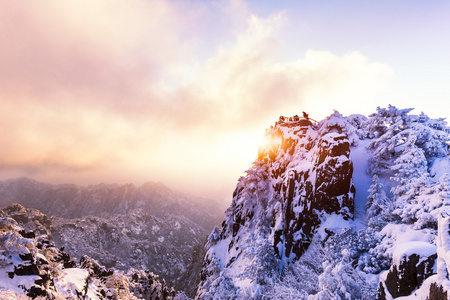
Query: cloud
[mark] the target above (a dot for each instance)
(243, 85)
(71, 72)
(87, 49)
(153, 90)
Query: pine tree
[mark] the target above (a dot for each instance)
(263, 264)
(378, 205)
(385, 127)
(338, 281)
(408, 168)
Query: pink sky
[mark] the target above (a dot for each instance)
(181, 91)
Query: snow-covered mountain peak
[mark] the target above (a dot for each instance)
(335, 203)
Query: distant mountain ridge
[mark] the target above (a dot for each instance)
(72, 201)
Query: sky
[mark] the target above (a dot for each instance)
(181, 92)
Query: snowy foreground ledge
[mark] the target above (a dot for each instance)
(32, 267)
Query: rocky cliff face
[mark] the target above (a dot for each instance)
(312, 176)
(302, 176)
(298, 228)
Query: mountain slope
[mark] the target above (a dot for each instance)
(71, 201)
(165, 246)
(121, 226)
(31, 265)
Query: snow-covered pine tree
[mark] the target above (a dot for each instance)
(378, 206)
(338, 281)
(263, 262)
(221, 288)
(299, 279)
(408, 167)
(384, 127)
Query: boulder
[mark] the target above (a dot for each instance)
(413, 262)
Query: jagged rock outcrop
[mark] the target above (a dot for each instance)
(32, 220)
(36, 268)
(325, 187)
(302, 175)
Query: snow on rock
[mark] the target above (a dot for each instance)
(19, 284)
(413, 262)
(334, 223)
(438, 285)
(395, 235)
(406, 249)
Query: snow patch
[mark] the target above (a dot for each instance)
(177, 225)
(9, 284)
(439, 167)
(73, 280)
(333, 222)
(403, 233)
(155, 229)
(404, 250)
